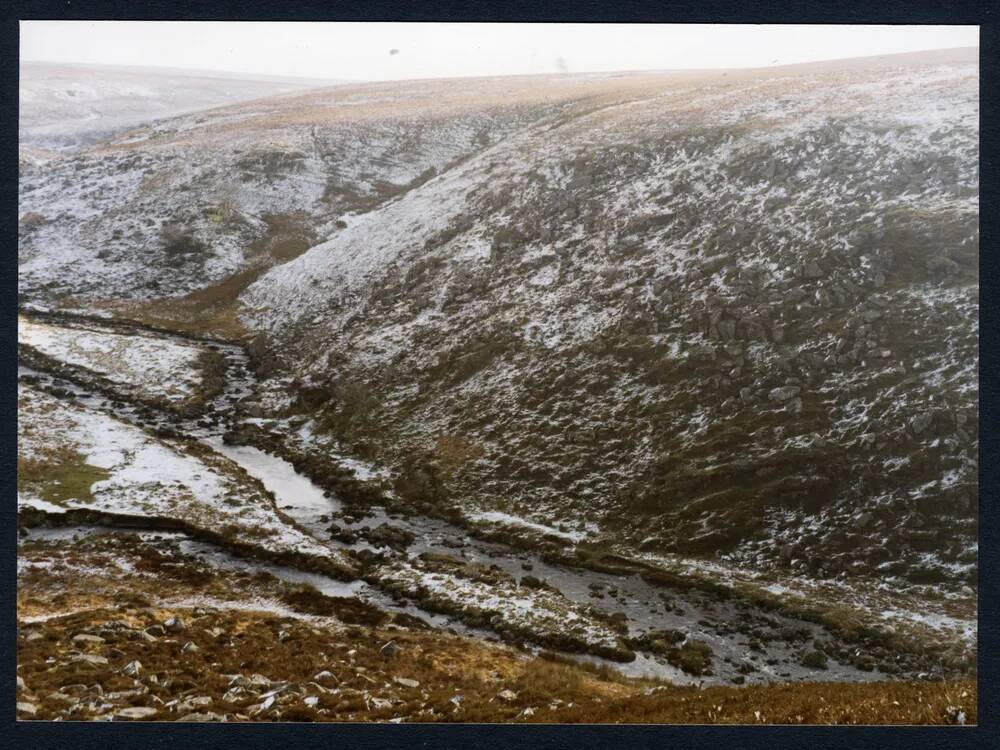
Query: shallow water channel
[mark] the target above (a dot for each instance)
(646, 606)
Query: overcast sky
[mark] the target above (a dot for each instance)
(388, 51)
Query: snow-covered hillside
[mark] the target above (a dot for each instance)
(65, 105)
(174, 206)
(708, 313)
(722, 314)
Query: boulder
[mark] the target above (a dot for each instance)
(784, 393)
(174, 625)
(135, 713)
(132, 669)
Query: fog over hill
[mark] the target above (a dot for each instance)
(64, 104)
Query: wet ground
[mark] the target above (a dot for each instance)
(747, 645)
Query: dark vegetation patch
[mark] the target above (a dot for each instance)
(60, 475)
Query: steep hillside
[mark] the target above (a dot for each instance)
(715, 314)
(205, 202)
(673, 373)
(706, 313)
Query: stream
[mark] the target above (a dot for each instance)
(646, 606)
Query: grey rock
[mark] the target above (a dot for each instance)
(175, 625)
(812, 270)
(200, 701)
(784, 393)
(87, 639)
(91, 659)
(921, 422)
(202, 717)
(135, 713)
(389, 650)
(132, 669)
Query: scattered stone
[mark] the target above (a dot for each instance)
(87, 639)
(812, 270)
(91, 659)
(202, 717)
(784, 393)
(200, 701)
(871, 315)
(190, 648)
(921, 422)
(24, 707)
(136, 713)
(132, 669)
(175, 625)
(507, 695)
(406, 682)
(389, 650)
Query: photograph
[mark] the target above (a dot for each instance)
(497, 373)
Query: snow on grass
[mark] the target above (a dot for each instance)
(155, 366)
(68, 104)
(506, 519)
(965, 627)
(148, 476)
(509, 607)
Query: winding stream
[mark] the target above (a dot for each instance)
(646, 606)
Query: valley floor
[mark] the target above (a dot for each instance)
(169, 643)
(165, 573)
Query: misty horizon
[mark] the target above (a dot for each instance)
(397, 51)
